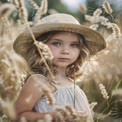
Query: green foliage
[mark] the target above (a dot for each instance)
(3, 1)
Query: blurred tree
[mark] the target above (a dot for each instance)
(3, 1)
(60, 7)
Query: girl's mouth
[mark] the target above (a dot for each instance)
(63, 59)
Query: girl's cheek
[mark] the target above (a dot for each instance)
(54, 52)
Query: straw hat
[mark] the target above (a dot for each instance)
(59, 22)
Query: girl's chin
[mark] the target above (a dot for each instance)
(61, 65)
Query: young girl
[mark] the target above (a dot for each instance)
(70, 44)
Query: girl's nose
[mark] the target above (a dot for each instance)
(65, 50)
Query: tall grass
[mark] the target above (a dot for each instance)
(102, 77)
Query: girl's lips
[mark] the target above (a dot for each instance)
(63, 59)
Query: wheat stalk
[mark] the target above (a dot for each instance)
(8, 108)
(103, 91)
(42, 10)
(45, 50)
(116, 30)
(21, 8)
(107, 7)
(47, 92)
(97, 12)
(16, 3)
(62, 111)
(34, 4)
(83, 9)
(23, 11)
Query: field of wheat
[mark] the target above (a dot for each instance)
(102, 74)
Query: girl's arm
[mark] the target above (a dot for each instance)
(34, 116)
(31, 92)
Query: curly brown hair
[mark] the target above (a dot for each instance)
(37, 65)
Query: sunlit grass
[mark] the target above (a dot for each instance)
(105, 68)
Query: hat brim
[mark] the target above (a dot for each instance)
(94, 40)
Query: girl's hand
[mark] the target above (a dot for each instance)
(78, 116)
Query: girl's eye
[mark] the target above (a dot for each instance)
(75, 45)
(56, 43)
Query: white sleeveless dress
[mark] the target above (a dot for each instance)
(64, 95)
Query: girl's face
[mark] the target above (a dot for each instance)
(65, 48)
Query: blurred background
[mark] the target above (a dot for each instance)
(105, 68)
(73, 7)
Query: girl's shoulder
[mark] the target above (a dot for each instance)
(40, 81)
(37, 76)
(37, 79)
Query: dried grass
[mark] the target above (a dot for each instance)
(105, 67)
